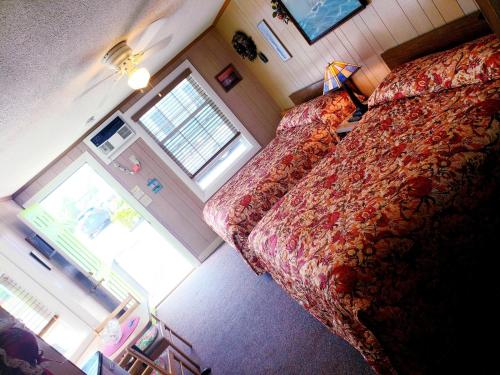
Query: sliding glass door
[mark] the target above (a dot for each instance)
(97, 225)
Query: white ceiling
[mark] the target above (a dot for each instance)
(50, 52)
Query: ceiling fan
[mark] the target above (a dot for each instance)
(124, 62)
(125, 59)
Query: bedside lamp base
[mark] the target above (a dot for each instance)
(361, 108)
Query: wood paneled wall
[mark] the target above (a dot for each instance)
(176, 206)
(382, 25)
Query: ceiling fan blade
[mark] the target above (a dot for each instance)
(147, 37)
(157, 46)
(108, 93)
(95, 85)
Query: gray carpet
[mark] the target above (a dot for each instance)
(241, 323)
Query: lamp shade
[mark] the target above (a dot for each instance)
(337, 73)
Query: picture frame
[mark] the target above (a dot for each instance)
(228, 77)
(317, 18)
(274, 41)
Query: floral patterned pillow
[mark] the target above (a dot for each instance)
(330, 109)
(474, 62)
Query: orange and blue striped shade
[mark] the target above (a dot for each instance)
(337, 73)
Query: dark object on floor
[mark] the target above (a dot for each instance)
(206, 371)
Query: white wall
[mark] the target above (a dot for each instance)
(64, 298)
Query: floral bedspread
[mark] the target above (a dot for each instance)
(235, 209)
(304, 136)
(359, 238)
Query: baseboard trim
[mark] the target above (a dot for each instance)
(210, 249)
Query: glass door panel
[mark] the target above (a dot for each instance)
(97, 229)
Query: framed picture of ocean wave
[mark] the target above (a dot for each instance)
(316, 18)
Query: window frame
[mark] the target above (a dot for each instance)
(141, 107)
(208, 102)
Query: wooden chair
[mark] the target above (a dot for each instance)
(167, 341)
(137, 363)
(122, 312)
(123, 306)
(48, 326)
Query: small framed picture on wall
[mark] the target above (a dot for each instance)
(228, 77)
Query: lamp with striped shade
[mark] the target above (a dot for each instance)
(336, 74)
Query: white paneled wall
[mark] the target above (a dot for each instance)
(382, 25)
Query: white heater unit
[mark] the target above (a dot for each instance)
(111, 138)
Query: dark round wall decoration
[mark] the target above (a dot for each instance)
(245, 47)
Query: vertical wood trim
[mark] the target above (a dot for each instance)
(395, 20)
(363, 27)
(449, 9)
(416, 15)
(432, 12)
(491, 11)
(467, 6)
(221, 11)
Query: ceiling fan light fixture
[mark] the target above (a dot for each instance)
(117, 55)
(138, 78)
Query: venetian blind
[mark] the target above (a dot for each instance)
(188, 125)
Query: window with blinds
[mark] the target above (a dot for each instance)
(187, 124)
(22, 305)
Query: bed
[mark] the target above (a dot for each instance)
(386, 240)
(304, 136)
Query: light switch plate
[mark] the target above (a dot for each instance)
(137, 192)
(145, 200)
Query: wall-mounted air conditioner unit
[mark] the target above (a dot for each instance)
(111, 138)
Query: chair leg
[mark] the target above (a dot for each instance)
(171, 331)
(174, 358)
(168, 335)
(142, 365)
(167, 342)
